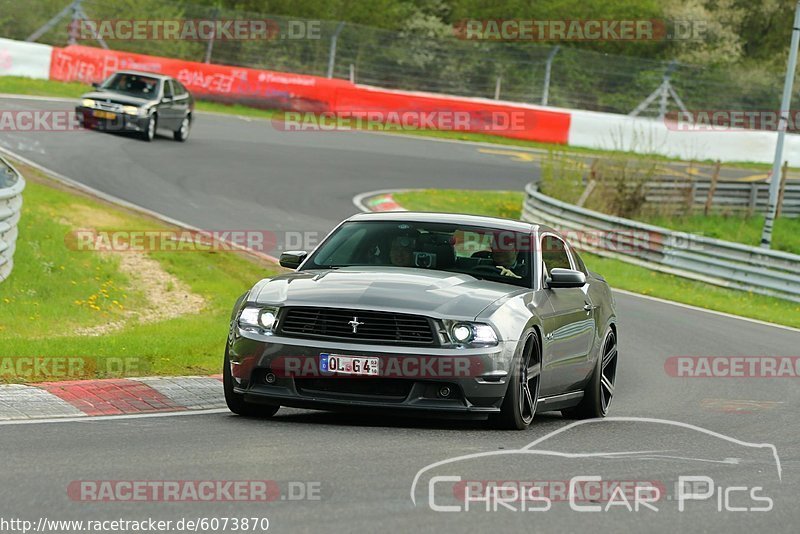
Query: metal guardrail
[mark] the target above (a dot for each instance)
(722, 263)
(11, 186)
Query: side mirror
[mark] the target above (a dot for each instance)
(96, 85)
(563, 278)
(291, 259)
(166, 100)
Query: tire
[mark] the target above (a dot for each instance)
(150, 132)
(522, 395)
(599, 391)
(236, 402)
(182, 133)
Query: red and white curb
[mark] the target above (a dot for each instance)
(117, 396)
(379, 200)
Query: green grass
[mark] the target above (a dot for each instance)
(17, 85)
(747, 230)
(27, 86)
(504, 204)
(55, 290)
(619, 274)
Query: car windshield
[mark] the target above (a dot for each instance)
(133, 84)
(485, 253)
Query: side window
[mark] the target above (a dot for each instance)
(179, 89)
(579, 262)
(168, 89)
(554, 253)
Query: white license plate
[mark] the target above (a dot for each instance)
(348, 365)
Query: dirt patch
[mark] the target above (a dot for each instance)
(166, 296)
(80, 214)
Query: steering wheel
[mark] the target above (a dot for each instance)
(486, 269)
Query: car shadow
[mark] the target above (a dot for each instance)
(378, 420)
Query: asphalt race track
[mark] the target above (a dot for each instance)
(240, 174)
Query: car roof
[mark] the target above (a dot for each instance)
(452, 218)
(145, 73)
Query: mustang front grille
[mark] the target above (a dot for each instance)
(357, 326)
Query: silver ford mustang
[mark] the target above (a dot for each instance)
(427, 314)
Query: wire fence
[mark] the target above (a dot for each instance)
(433, 60)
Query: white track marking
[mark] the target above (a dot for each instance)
(39, 98)
(91, 419)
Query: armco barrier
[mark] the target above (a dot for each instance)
(11, 186)
(722, 263)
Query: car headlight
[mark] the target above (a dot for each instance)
(87, 103)
(258, 319)
(130, 110)
(471, 334)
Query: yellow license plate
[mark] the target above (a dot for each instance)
(104, 115)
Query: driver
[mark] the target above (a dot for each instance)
(505, 259)
(401, 253)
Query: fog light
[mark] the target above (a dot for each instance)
(444, 391)
(270, 378)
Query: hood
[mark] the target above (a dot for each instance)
(119, 98)
(403, 290)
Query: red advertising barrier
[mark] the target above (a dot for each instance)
(520, 122)
(219, 82)
(297, 92)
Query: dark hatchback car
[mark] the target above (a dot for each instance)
(139, 103)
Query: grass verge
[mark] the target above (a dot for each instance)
(120, 313)
(619, 274)
(746, 230)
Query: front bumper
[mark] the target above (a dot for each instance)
(282, 370)
(120, 123)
